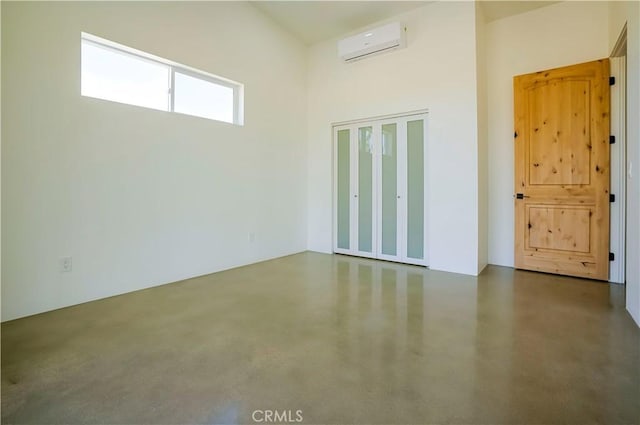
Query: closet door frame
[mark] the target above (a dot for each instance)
(425, 211)
(402, 184)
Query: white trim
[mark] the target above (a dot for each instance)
(381, 117)
(334, 189)
(617, 223)
(425, 245)
(172, 84)
(238, 101)
(620, 49)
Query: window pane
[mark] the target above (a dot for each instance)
(202, 98)
(120, 77)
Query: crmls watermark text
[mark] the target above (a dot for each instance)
(279, 416)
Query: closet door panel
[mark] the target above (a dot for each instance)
(415, 189)
(365, 191)
(379, 189)
(389, 189)
(343, 189)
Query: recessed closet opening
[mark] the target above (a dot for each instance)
(380, 188)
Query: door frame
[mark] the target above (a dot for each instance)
(591, 259)
(617, 233)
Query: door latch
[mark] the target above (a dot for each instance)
(521, 196)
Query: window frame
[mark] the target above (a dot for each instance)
(173, 67)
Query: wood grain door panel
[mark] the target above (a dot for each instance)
(559, 228)
(562, 170)
(559, 113)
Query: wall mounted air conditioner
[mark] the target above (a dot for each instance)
(376, 40)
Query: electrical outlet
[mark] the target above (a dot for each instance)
(252, 237)
(66, 264)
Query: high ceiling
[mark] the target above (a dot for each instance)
(314, 21)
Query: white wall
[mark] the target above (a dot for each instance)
(140, 197)
(483, 143)
(0, 163)
(561, 34)
(619, 13)
(436, 71)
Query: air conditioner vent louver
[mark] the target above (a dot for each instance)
(377, 40)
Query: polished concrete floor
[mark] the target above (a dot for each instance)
(340, 339)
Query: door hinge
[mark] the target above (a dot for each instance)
(612, 197)
(612, 256)
(612, 81)
(612, 140)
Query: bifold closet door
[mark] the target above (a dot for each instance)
(355, 214)
(401, 188)
(414, 244)
(389, 187)
(364, 192)
(380, 189)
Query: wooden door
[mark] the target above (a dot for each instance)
(562, 170)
